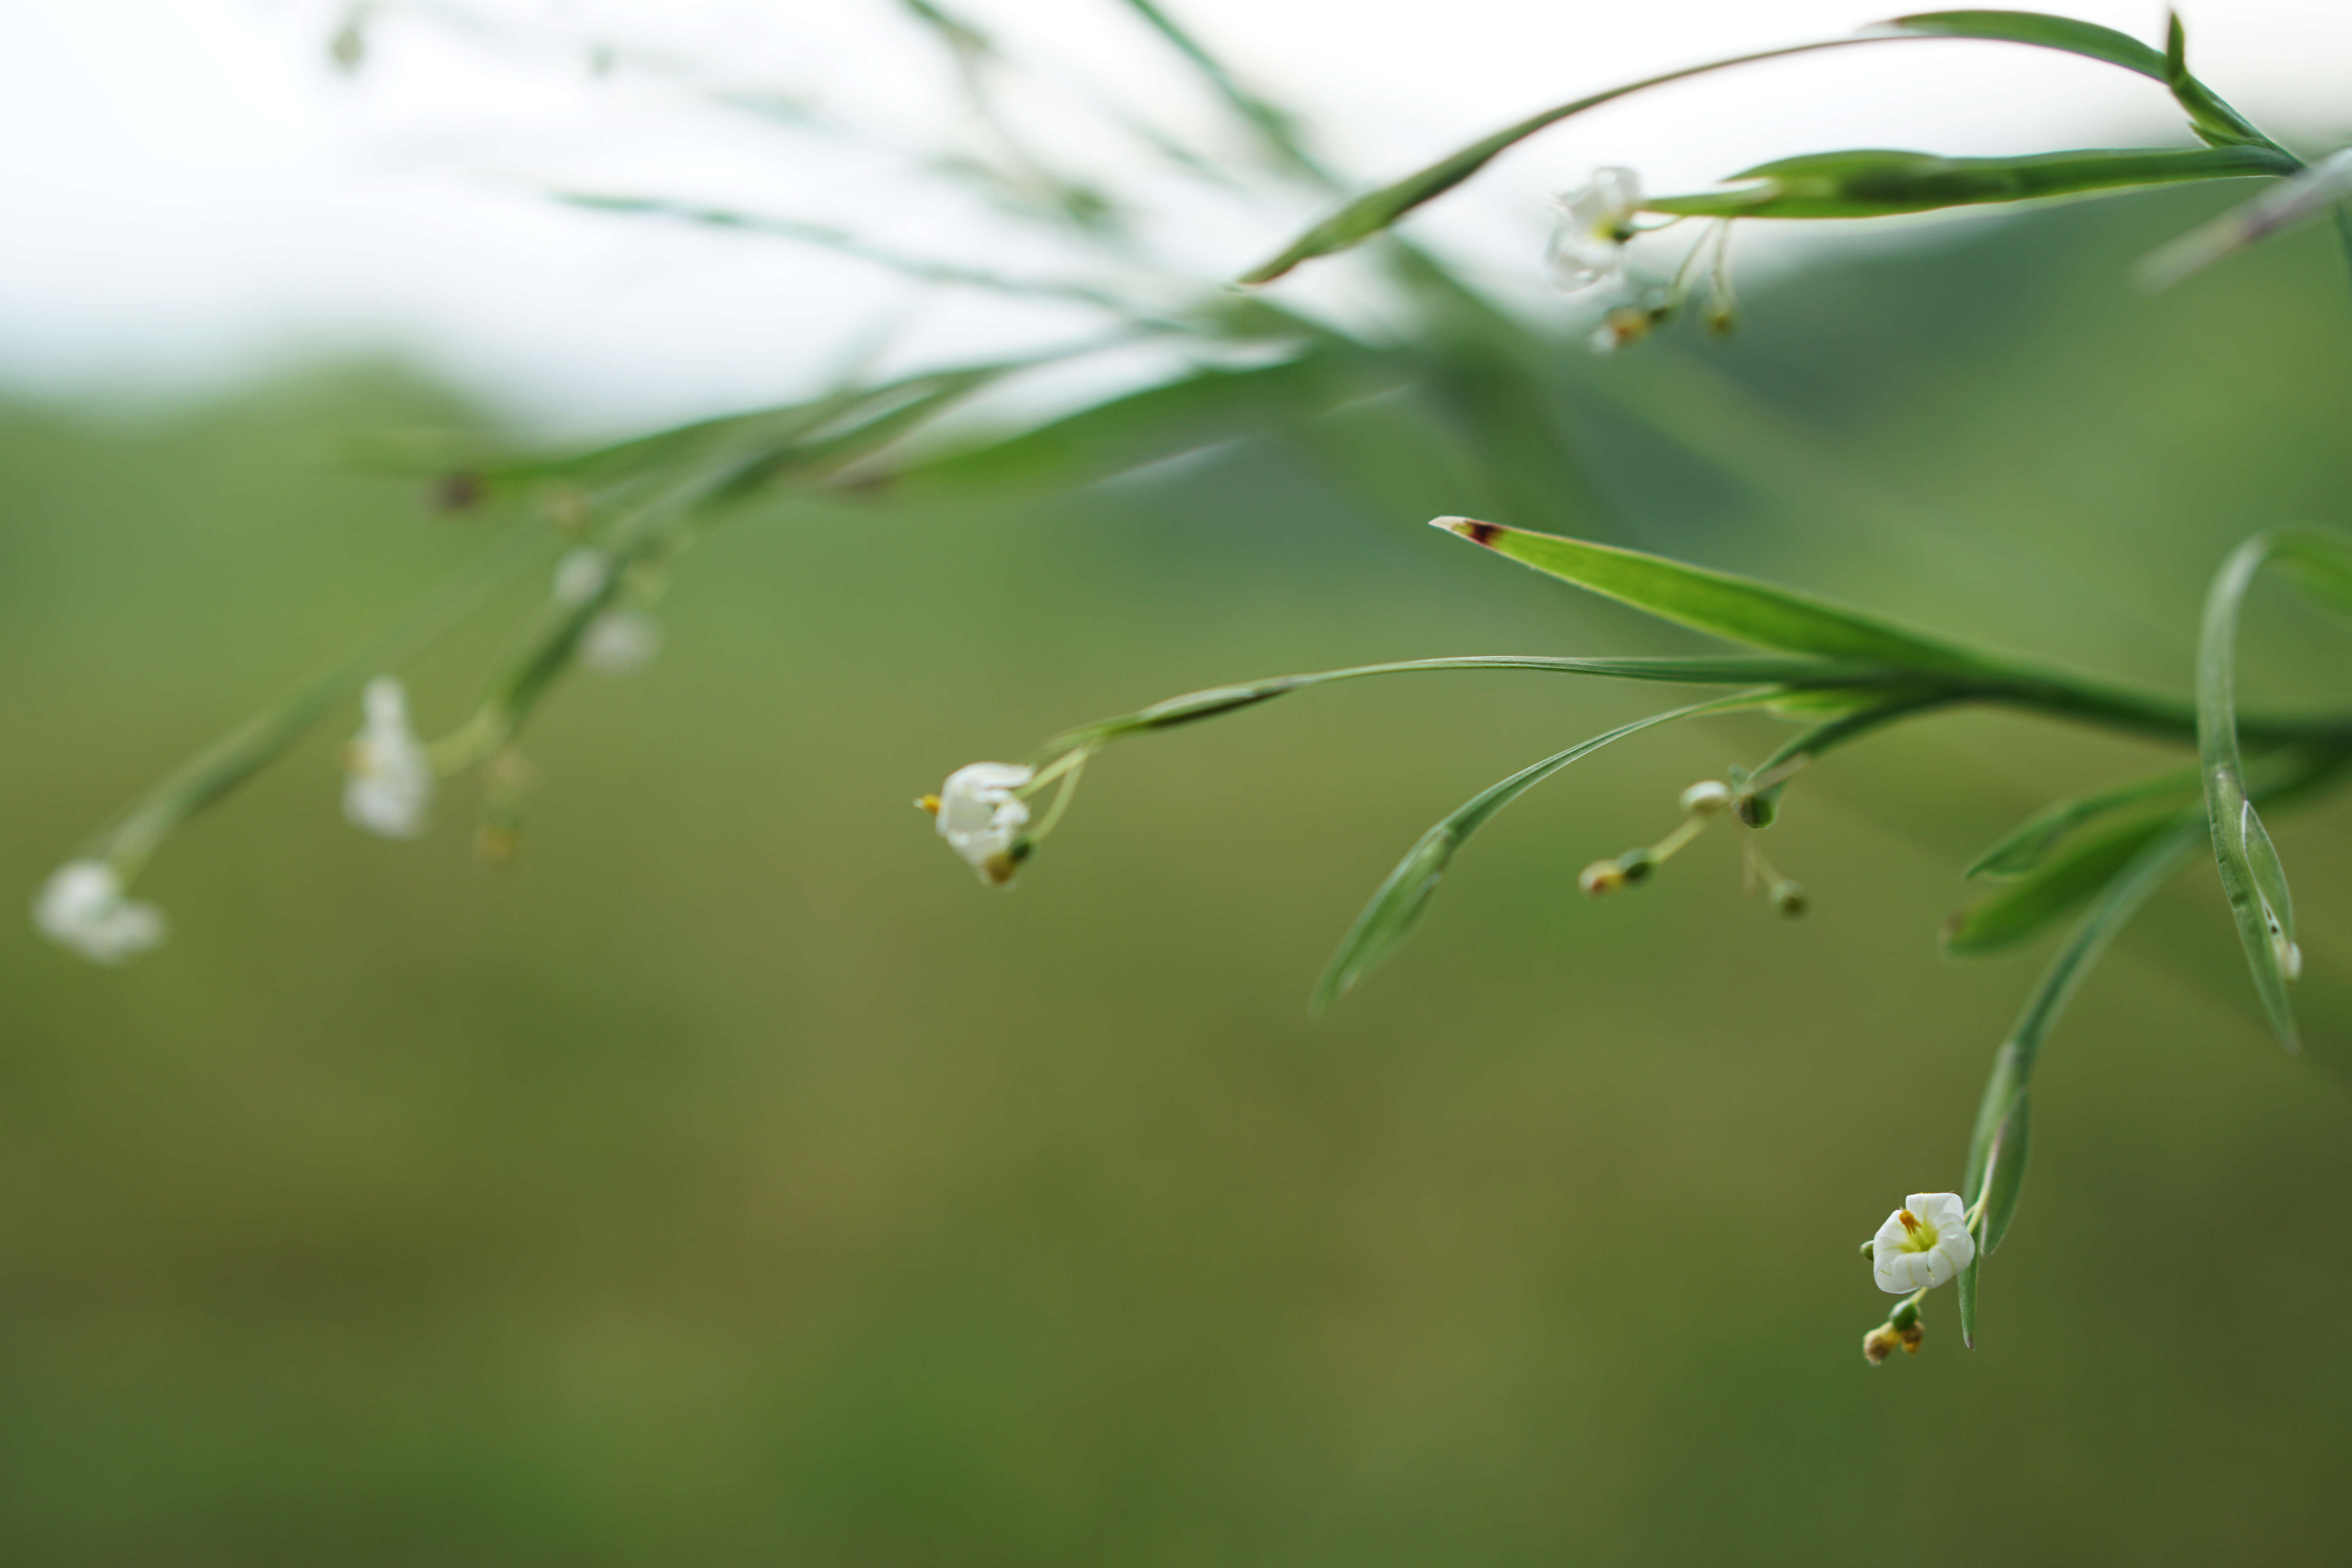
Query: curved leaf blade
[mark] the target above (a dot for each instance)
(2013, 1065)
(1397, 906)
(1877, 183)
(1783, 675)
(1740, 609)
(2251, 874)
(2025, 847)
(1379, 209)
(2060, 885)
(2039, 30)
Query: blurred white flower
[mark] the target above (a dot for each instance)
(980, 817)
(81, 907)
(1588, 246)
(619, 641)
(387, 776)
(579, 576)
(1924, 1243)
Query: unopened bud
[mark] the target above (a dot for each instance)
(1602, 876)
(1708, 798)
(1637, 864)
(1759, 810)
(1880, 1342)
(1790, 899)
(1623, 327)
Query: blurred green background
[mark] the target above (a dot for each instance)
(733, 1180)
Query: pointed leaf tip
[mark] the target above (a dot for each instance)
(1469, 528)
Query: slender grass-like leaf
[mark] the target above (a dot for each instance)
(1782, 674)
(2252, 876)
(1965, 1288)
(2052, 889)
(1201, 409)
(2038, 29)
(2013, 1065)
(2211, 119)
(2023, 847)
(2315, 191)
(2005, 1169)
(1377, 210)
(1397, 906)
(1740, 609)
(1872, 183)
(842, 241)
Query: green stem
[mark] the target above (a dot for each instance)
(245, 751)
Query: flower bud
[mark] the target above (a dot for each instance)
(1759, 810)
(1602, 876)
(1708, 798)
(1623, 327)
(1790, 899)
(1637, 864)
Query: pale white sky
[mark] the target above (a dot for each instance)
(192, 193)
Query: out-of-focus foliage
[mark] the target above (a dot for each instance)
(729, 1180)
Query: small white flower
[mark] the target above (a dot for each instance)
(387, 776)
(81, 907)
(1924, 1243)
(620, 641)
(980, 817)
(579, 576)
(1587, 245)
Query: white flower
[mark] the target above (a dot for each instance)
(1595, 220)
(579, 576)
(980, 817)
(387, 776)
(1924, 1243)
(619, 641)
(82, 906)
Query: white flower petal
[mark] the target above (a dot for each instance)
(981, 818)
(81, 907)
(388, 775)
(620, 641)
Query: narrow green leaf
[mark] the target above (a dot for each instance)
(2305, 196)
(2042, 31)
(2252, 876)
(2212, 119)
(2013, 1065)
(1377, 210)
(1201, 409)
(1872, 182)
(1397, 906)
(1782, 674)
(2005, 1176)
(2056, 887)
(1967, 1296)
(2022, 847)
(1738, 608)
